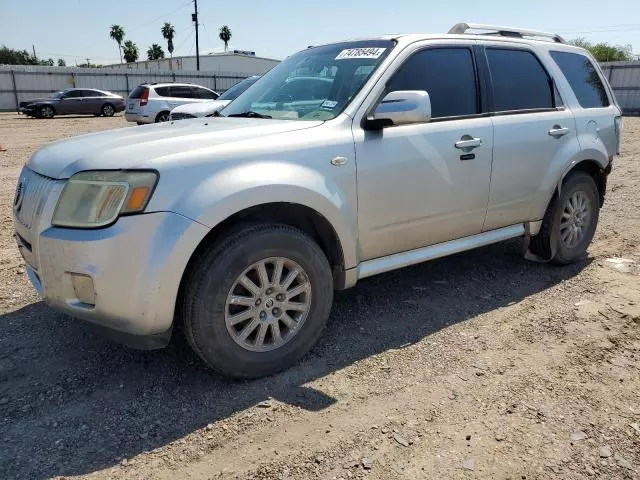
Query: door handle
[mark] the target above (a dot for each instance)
(557, 131)
(468, 143)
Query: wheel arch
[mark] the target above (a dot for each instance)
(299, 216)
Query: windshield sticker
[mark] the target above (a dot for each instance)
(360, 53)
(329, 104)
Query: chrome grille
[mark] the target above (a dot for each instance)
(181, 116)
(31, 194)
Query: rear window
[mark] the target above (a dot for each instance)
(520, 82)
(137, 92)
(163, 91)
(583, 78)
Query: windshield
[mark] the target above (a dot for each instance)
(238, 88)
(315, 84)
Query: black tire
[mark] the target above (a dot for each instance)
(140, 123)
(548, 244)
(108, 110)
(211, 279)
(162, 117)
(46, 111)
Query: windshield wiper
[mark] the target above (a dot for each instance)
(249, 114)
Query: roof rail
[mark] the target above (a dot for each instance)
(462, 28)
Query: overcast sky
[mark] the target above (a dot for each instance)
(76, 30)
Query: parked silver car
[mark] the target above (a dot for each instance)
(241, 227)
(74, 101)
(152, 103)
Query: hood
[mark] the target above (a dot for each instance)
(38, 100)
(151, 146)
(201, 109)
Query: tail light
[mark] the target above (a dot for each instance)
(618, 124)
(144, 99)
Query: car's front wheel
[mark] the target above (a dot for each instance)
(570, 221)
(258, 300)
(46, 111)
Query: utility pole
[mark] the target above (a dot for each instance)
(194, 17)
(34, 51)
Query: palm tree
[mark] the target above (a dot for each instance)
(225, 36)
(130, 51)
(155, 52)
(168, 32)
(117, 34)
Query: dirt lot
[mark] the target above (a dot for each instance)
(482, 365)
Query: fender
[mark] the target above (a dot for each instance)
(589, 154)
(239, 187)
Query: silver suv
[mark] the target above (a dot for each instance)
(240, 227)
(152, 103)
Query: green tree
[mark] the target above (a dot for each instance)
(603, 52)
(168, 32)
(9, 56)
(130, 51)
(155, 52)
(48, 62)
(61, 62)
(225, 36)
(117, 34)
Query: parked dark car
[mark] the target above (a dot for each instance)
(74, 101)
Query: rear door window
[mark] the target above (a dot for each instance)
(583, 78)
(447, 75)
(182, 91)
(519, 80)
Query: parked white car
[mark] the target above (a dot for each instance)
(151, 103)
(204, 109)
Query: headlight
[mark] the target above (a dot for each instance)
(95, 199)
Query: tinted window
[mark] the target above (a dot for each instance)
(447, 75)
(137, 92)
(182, 91)
(73, 93)
(92, 93)
(519, 80)
(238, 88)
(583, 78)
(163, 91)
(200, 92)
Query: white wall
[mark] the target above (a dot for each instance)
(211, 63)
(39, 81)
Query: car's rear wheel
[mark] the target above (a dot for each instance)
(570, 221)
(46, 111)
(108, 110)
(257, 301)
(162, 117)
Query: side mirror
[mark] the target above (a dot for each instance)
(402, 107)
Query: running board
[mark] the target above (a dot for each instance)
(399, 260)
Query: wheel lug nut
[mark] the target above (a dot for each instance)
(258, 302)
(276, 312)
(269, 291)
(263, 314)
(280, 297)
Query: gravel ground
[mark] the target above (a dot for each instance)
(482, 365)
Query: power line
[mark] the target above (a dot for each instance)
(163, 16)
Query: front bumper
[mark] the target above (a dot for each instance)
(135, 267)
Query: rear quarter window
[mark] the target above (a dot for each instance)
(583, 78)
(163, 91)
